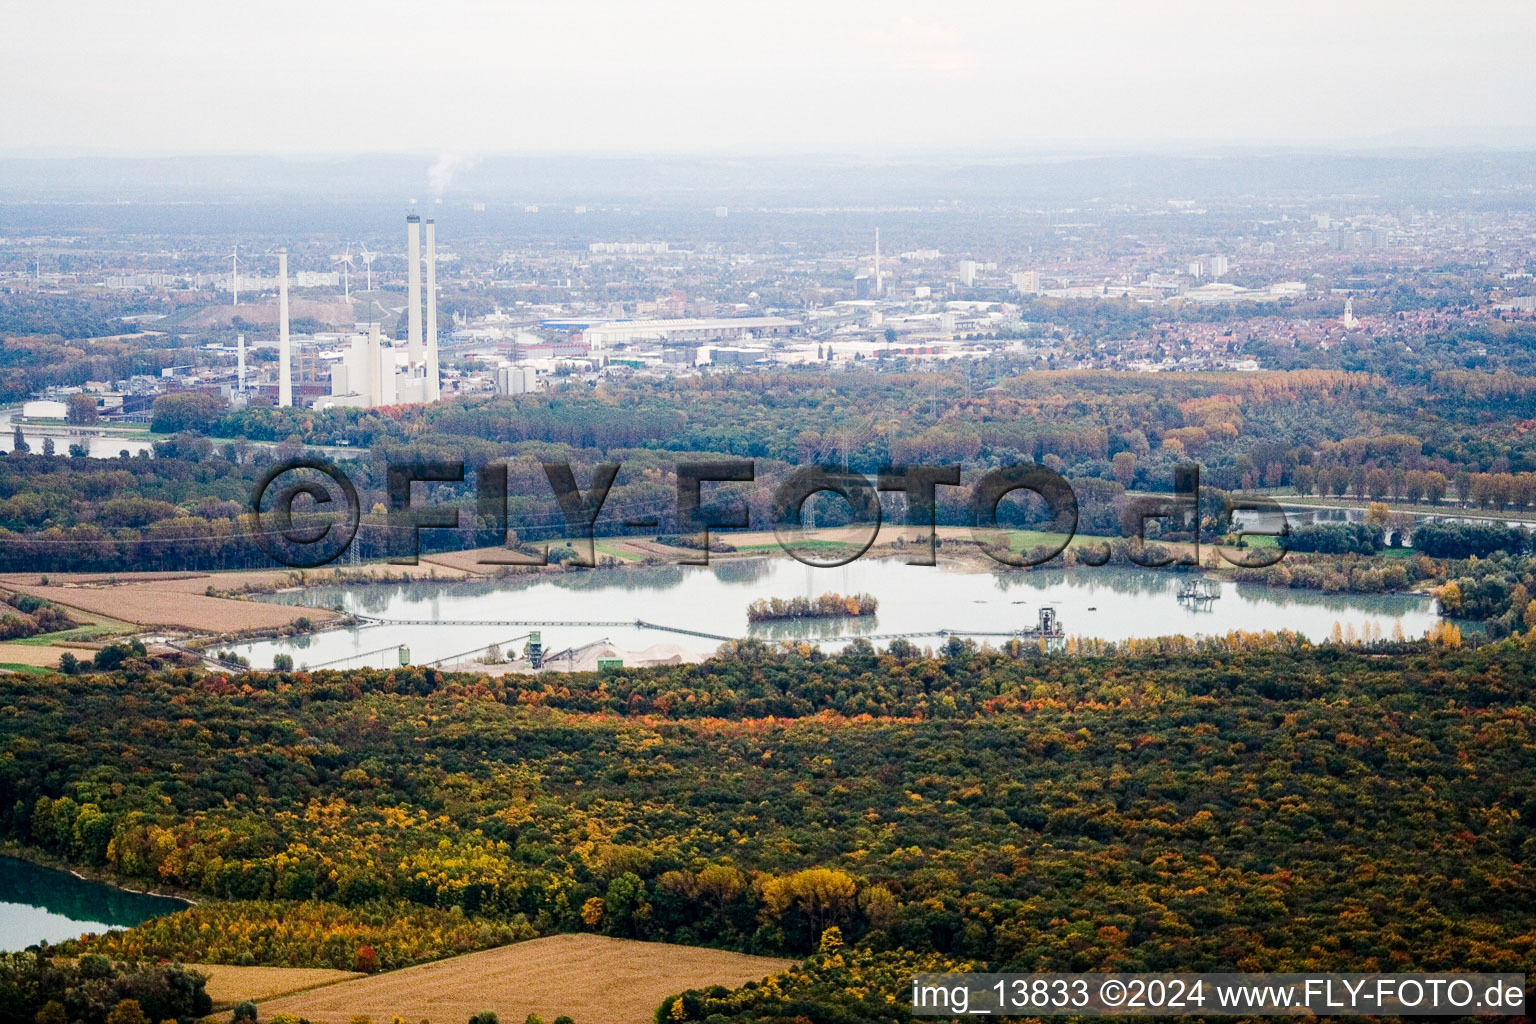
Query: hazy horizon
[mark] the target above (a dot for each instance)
(882, 81)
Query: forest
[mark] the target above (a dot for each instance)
(1252, 802)
(1458, 442)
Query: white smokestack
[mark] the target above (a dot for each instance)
(433, 389)
(374, 386)
(240, 356)
(879, 275)
(284, 342)
(413, 289)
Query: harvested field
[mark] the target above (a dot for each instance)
(468, 562)
(31, 654)
(230, 985)
(280, 579)
(178, 600)
(595, 979)
(154, 604)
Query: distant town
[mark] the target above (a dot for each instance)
(1155, 285)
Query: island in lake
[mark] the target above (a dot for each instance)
(827, 606)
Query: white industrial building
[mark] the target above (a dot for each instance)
(684, 331)
(517, 379)
(44, 409)
(370, 373)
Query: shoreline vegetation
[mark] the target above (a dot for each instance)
(96, 874)
(827, 606)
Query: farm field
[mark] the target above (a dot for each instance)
(592, 978)
(228, 985)
(166, 604)
(30, 654)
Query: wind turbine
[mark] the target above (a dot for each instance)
(345, 260)
(362, 250)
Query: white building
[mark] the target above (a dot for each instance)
(624, 332)
(44, 409)
(517, 379)
(1209, 267)
(315, 279)
(628, 248)
(1027, 282)
(367, 374)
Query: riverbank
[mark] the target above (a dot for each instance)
(101, 876)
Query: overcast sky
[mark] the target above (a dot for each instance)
(480, 76)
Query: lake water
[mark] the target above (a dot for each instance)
(39, 904)
(99, 446)
(110, 446)
(1110, 603)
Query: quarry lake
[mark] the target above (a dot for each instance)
(40, 904)
(439, 620)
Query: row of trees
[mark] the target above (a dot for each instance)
(369, 937)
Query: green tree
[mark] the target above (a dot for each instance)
(127, 1011)
(80, 410)
(191, 410)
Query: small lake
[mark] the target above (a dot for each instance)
(40, 904)
(1109, 603)
(100, 446)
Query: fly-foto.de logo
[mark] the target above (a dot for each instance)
(307, 512)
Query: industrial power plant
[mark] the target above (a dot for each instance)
(373, 371)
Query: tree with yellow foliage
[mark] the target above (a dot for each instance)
(1445, 634)
(823, 895)
(1450, 598)
(127, 1011)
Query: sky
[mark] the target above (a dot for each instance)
(460, 77)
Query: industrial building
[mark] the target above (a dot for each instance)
(367, 372)
(687, 331)
(517, 379)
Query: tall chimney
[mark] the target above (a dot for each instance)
(376, 368)
(284, 342)
(240, 343)
(413, 289)
(879, 276)
(432, 391)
